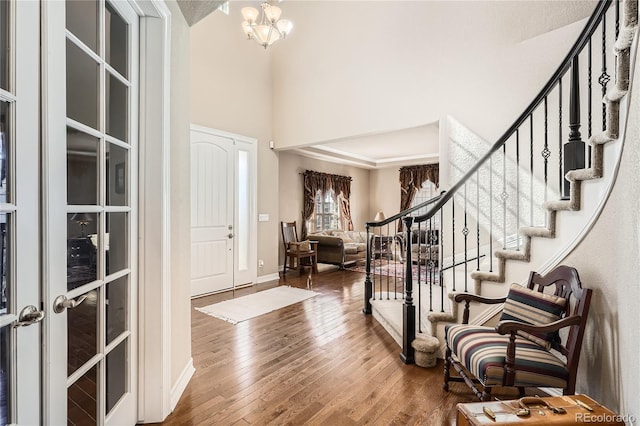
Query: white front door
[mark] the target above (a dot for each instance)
(223, 218)
(90, 135)
(20, 302)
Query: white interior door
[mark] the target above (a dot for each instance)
(20, 349)
(90, 156)
(223, 218)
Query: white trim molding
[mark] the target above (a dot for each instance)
(181, 384)
(154, 361)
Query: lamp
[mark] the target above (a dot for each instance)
(83, 220)
(265, 26)
(379, 216)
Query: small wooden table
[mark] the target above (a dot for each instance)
(504, 411)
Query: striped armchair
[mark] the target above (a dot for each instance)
(518, 352)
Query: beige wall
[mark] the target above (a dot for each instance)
(180, 195)
(608, 261)
(389, 65)
(291, 165)
(230, 85)
(384, 191)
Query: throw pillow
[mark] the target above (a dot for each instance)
(535, 308)
(301, 246)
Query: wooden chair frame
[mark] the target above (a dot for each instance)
(567, 284)
(294, 256)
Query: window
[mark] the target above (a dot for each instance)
(327, 212)
(427, 191)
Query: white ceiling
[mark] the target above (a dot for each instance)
(418, 145)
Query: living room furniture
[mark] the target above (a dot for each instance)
(382, 247)
(551, 410)
(297, 251)
(425, 246)
(341, 247)
(517, 351)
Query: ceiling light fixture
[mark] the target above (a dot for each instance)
(265, 26)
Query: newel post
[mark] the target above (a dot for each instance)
(368, 285)
(408, 308)
(574, 149)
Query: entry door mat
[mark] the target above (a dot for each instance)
(253, 305)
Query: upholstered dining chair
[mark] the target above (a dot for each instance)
(525, 348)
(296, 251)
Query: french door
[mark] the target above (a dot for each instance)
(90, 98)
(21, 313)
(223, 211)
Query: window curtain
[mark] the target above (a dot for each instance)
(316, 181)
(411, 179)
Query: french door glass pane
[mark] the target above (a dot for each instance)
(82, 329)
(5, 288)
(82, 21)
(5, 375)
(116, 41)
(81, 249)
(5, 152)
(82, 86)
(117, 242)
(117, 300)
(82, 405)
(116, 374)
(117, 108)
(117, 175)
(4, 45)
(82, 168)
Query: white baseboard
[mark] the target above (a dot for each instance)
(181, 384)
(265, 278)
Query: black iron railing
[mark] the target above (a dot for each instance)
(504, 189)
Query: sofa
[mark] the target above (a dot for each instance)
(340, 247)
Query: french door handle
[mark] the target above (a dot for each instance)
(61, 303)
(29, 315)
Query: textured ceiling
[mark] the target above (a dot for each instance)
(194, 10)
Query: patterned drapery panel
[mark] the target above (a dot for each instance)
(411, 179)
(316, 181)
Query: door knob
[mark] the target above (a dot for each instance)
(230, 235)
(61, 303)
(29, 315)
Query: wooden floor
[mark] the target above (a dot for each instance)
(318, 362)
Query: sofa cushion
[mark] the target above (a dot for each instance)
(351, 248)
(483, 352)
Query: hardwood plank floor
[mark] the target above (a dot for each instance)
(318, 362)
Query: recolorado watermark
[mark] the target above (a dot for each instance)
(605, 418)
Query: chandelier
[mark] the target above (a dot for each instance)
(265, 26)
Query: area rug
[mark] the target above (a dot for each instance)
(398, 270)
(256, 304)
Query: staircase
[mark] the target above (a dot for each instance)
(523, 204)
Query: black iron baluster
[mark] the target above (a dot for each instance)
(531, 167)
(574, 149)
(408, 308)
(453, 241)
(517, 189)
(465, 232)
(368, 285)
(491, 214)
(504, 196)
(441, 258)
(604, 77)
(560, 141)
(384, 250)
(478, 219)
(617, 2)
(546, 153)
(590, 103)
(429, 270)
